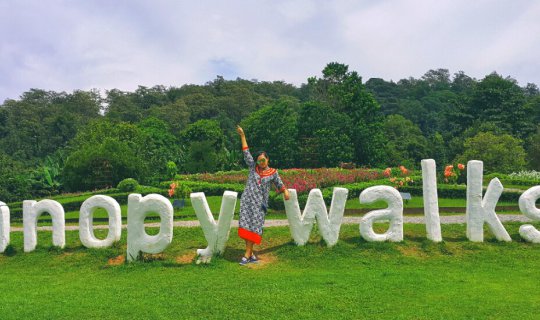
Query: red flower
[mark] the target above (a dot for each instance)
(461, 166)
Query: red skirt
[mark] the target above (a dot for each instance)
(248, 235)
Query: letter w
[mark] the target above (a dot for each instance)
(329, 224)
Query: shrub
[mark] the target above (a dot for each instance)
(100, 166)
(128, 184)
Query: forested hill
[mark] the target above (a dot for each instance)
(81, 140)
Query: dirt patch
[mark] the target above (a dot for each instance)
(265, 260)
(116, 261)
(186, 259)
(147, 257)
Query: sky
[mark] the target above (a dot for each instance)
(69, 45)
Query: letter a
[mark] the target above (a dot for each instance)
(394, 213)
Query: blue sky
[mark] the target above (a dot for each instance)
(68, 45)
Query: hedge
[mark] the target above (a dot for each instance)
(73, 203)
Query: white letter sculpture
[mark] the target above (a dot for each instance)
(431, 202)
(216, 234)
(527, 205)
(394, 213)
(4, 226)
(86, 230)
(137, 238)
(329, 223)
(480, 211)
(31, 212)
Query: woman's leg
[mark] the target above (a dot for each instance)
(249, 249)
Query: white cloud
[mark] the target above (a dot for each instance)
(65, 45)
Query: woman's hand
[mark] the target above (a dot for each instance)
(240, 131)
(286, 194)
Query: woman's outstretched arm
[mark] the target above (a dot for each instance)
(247, 155)
(242, 137)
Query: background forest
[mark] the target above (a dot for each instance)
(53, 142)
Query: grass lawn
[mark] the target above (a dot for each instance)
(415, 279)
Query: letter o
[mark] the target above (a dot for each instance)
(86, 230)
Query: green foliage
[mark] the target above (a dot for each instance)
(273, 129)
(502, 102)
(500, 153)
(15, 180)
(406, 145)
(533, 150)
(202, 157)
(42, 122)
(101, 166)
(344, 91)
(156, 145)
(324, 137)
(128, 184)
(328, 120)
(172, 169)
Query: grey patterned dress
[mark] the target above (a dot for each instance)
(254, 200)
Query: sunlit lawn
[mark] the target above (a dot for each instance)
(415, 279)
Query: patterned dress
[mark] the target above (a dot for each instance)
(254, 200)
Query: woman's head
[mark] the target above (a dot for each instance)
(262, 159)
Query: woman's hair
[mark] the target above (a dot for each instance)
(258, 154)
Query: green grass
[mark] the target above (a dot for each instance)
(415, 279)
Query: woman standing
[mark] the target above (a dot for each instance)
(254, 200)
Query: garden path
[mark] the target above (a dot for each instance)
(285, 222)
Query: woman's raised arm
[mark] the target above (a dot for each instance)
(242, 137)
(245, 149)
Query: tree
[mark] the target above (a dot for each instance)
(437, 79)
(324, 136)
(500, 153)
(42, 122)
(344, 91)
(406, 145)
(502, 102)
(533, 150)
(158, 146)
(203, 138)
(273, 129)
(101, 166)
(175, 114)
(202, 157)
